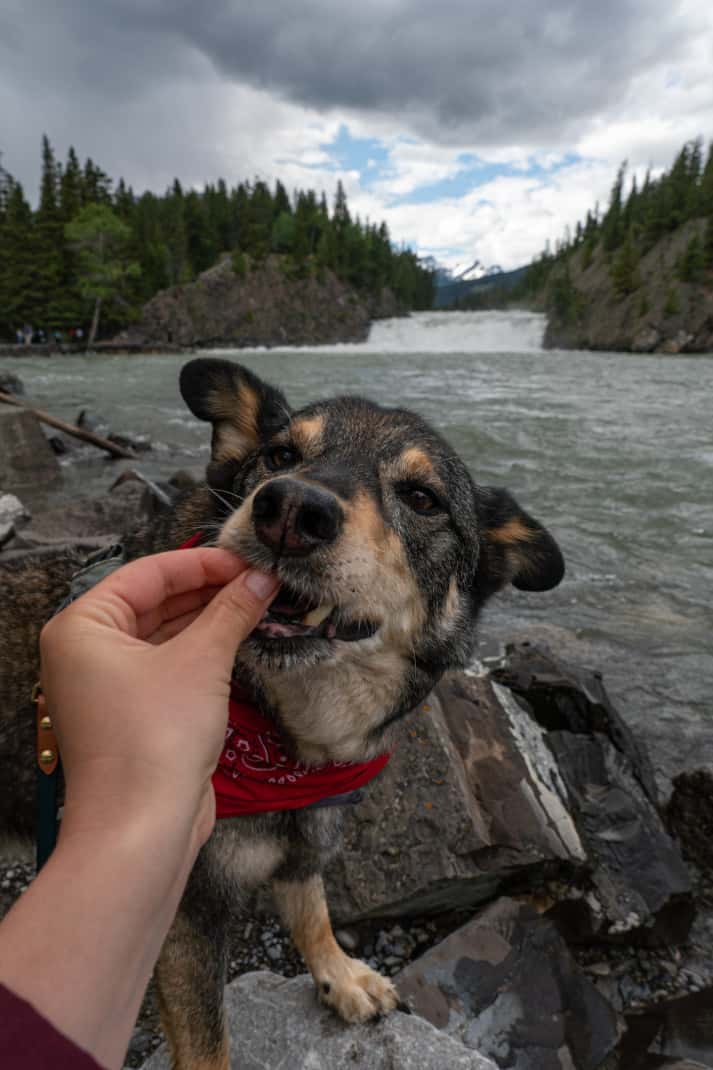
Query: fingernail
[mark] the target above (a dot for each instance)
(261, 583)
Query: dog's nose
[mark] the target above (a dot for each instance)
(295, 518)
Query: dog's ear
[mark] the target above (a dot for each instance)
(514, 548)
(243, 409)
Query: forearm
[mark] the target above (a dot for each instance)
(81, 943)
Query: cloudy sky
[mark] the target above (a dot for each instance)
(476, 128)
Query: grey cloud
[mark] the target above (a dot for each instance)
(490, 71)
(483, 74)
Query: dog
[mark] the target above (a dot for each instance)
(386, 550)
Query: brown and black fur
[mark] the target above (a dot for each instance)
(355, 506)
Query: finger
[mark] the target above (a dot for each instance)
(149, 623)
(143, 585)
(171, 628)
(230, 617)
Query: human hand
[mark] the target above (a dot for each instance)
(137, 674)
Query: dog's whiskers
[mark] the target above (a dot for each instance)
(224, 501)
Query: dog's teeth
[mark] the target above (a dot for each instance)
(314, 618)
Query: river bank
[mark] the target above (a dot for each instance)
(52, 350)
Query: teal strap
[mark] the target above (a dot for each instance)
(46, 814)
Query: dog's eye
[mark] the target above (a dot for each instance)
(281, 457)
(419, 499)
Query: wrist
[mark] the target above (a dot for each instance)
(136, 804)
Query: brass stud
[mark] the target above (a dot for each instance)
(46, 757)
(46, 723)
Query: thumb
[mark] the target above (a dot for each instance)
(230, 617)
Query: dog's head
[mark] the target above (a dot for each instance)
(381, 539)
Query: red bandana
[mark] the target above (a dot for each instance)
(255, 774)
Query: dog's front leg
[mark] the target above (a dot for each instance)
(351, 988)
(190, 977)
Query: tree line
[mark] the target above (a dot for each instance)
(93, 244)
(636, 218)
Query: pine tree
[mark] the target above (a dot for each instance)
(705, 202)
(625, 269)
(708, 243)
(18, 263)
(693, 262)
(100, 238)
(52, 309)
(612, 224)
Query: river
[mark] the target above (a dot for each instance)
(613, 452)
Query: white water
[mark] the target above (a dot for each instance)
(458, 332)
(441, 332)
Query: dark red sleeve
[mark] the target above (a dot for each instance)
(29, 1042)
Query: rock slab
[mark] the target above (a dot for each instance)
(506, 985)
(277, 1024)
(496, 788)
(26, 458)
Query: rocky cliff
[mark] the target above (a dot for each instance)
(661, 314)
(265, 304)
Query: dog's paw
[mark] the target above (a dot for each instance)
(356, 992)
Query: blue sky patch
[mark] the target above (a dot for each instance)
(371, 158)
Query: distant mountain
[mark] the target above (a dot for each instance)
(449, 290)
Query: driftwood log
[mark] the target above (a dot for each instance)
(70, 429)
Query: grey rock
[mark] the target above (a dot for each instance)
(491, 783)
(11, 384)
(347, 939)
(84, 518)
(156, 498)
(7, 534)
(12, 510)
(26, 458)
(645, 340)
(506, 984)
(137, 443)
(656, 1063)
(639, 882)
(277, 1024)
(689, 815)
(186, 478)
(684, 1027)
(679, 343)
(92, 421)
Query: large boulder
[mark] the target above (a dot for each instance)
(26, 458)
(277, 1022)
(487, 793)
(506, 985)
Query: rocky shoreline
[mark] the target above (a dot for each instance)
(513, 869)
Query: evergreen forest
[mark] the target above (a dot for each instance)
(92, 241)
